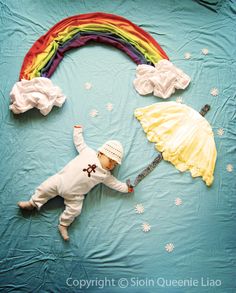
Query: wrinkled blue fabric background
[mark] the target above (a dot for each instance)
(106, 241)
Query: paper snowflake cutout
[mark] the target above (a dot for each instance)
(229, 168)
(109, 107)
(93, 113)
(214, 92)
(178, 201)
(139, 209)
(187, 56)
(146, 227)
(179, 100)
(169, 247)
(220, 131)
(87, 85)
(205, 51)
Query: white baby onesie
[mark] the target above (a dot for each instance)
(76, 179)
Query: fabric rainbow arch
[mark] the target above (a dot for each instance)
(76, 31)
(154, 73)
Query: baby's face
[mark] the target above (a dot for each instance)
(107, 163)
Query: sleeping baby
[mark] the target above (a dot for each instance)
(78, 177)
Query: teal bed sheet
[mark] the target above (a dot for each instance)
(191, 246)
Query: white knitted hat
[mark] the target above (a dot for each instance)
(112, 149)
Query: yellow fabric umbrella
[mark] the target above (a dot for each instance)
(182, 135)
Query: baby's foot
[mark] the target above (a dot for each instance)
(63, 232)
(26, 205)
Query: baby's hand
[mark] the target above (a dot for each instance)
(77, 126)
(130, 189)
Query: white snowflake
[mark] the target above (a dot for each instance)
(169, 247)
(146, 227)
(214, 92)
(93, 113)
(220, 131)
(109, 107)
(205, 51)
(179, 100)
(229, 167)
(139, 209)
(87, 85)
(187, 55)
(178, 201)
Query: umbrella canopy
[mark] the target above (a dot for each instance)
(182, 135)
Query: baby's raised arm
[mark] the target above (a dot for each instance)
(78, 138)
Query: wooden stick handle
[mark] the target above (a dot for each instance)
(205, 109)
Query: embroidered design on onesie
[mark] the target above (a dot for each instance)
(90, 169)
